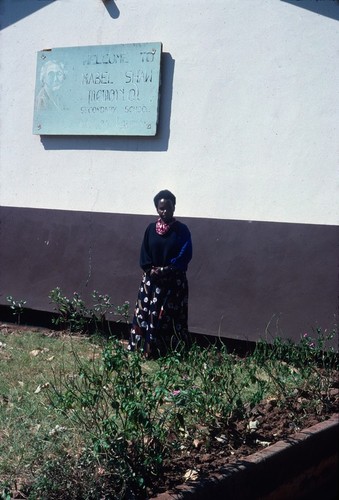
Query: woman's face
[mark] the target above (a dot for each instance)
(165, 210)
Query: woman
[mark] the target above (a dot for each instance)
(161, 308)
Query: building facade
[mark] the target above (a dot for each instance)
(247, 140)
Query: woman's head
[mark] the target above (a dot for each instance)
(164, 195)
(164, 202)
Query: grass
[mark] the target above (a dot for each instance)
(80, 419)
(28, 361)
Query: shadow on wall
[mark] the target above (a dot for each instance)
(328, 8)
(112, 8)
(15, 10)
(127, 143)
(11, 11)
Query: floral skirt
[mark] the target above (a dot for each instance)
(160, 315)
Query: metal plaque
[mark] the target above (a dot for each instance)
(98, 90)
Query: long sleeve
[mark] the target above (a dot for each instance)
(146, 261)
(185, 255)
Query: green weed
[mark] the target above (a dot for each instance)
(80, 420)
(73, 313)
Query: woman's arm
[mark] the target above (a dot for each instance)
(185, 254)
(145, 253)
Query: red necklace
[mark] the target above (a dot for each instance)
(162, 227)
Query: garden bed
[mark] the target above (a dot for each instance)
(81, 418)
(303, 466)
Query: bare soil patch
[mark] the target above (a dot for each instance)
(271, 422)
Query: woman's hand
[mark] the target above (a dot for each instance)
(160, 271)
(155, 271)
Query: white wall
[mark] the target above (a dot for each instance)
(254, 111)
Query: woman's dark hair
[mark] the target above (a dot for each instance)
(164, 195)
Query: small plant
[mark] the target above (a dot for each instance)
(117, 404)
(79, 317)
(102, 308)
(71, 312)
(17, 306)
(304, 368)
(123, 312)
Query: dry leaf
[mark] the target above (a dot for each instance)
(51, 358)
(41, 387)
(253, 425)
(35, 352)
(191, 475)
(197, 443)
(263, 443)
(222, 438)
(57, 430)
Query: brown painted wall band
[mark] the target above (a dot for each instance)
(243, 276)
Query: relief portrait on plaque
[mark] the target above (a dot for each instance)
(98, 90)
(52, 76)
